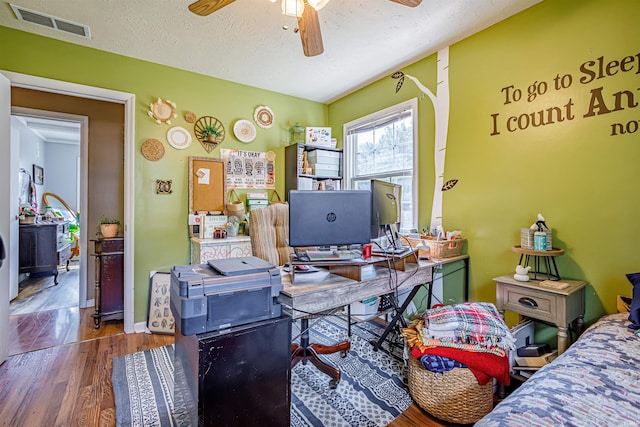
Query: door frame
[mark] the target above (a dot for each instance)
(128, 100)
(84, 204)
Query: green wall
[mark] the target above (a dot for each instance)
(161, 234)
(583, 179)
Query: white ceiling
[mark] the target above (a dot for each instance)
(244, 42)
(53, 130)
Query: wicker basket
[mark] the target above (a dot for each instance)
(438, 248)
(454, 396)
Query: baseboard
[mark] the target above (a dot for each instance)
(141, 327)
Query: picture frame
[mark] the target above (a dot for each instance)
(38, 174)
(159, 318)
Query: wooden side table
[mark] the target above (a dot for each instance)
(109, 279)
(560, 307)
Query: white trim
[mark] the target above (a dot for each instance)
(128, 99)
(348, 169)
(141, 327)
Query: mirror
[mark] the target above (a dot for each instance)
(56, 202)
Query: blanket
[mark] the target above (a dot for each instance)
(468, 323)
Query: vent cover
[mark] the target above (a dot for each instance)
(50, 21)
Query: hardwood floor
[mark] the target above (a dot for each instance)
(36, 331)
(70, 384)
(59, 367)
(40, 293)
(67, 385)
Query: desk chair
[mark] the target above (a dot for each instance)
(269, 232)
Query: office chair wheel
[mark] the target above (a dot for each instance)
(333, 384)
(344, 353)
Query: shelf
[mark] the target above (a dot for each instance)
(553, 252)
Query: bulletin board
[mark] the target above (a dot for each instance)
(207, 185)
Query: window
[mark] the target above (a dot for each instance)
(383, 146)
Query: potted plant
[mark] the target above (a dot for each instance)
(210, 133)
(109, 227)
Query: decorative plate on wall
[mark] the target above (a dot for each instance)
(263, 117)
(244, 131)
(162, 110)
(179, 137)
(190, 117)
(152, 149)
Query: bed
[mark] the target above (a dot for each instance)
(596, 382)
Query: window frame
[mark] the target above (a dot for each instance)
(349, 155)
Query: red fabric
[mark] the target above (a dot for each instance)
(483, 365)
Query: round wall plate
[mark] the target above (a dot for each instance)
(179, 137)
(244, 131)
(263, 116)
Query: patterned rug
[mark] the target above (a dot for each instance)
(372, 391)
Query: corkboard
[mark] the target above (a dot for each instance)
(207, 195)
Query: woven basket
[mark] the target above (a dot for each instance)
(454, 396)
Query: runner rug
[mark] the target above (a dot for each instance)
(372, 391)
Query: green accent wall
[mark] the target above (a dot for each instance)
(161, 233)
(583, 179)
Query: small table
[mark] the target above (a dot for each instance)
(559, 307)
(540, 257)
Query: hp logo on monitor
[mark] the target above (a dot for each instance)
(331, 217)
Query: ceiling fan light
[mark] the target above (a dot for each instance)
(293, 7)
(317, 4)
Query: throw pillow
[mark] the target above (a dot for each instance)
(634, 311)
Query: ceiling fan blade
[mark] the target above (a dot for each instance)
(410, 3)
(309, 26)
(207, 7)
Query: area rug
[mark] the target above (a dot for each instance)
(372, 391)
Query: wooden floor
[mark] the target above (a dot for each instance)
(59, 367)
(41, 293)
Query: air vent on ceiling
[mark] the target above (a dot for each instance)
(50, 21)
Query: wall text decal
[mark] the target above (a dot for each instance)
(600, 102)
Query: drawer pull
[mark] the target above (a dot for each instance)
(529, 302)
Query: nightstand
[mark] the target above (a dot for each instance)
(557, 306)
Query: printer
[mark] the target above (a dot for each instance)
(224, 293)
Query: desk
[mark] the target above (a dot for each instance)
(315, 293)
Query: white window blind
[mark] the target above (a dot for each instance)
(382, 146)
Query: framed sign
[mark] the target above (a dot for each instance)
(160, 319)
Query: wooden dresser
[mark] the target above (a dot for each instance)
(44, 246)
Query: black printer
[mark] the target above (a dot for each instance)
(224, 293)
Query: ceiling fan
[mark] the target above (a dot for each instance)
(308, 22)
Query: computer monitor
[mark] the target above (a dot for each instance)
(386, 198)
(329, 218)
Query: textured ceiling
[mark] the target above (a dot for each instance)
(245, 43)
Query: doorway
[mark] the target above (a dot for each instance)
(51, 142)
(120, 112)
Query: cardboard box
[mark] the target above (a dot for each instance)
(537, 362)
(318, 136)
